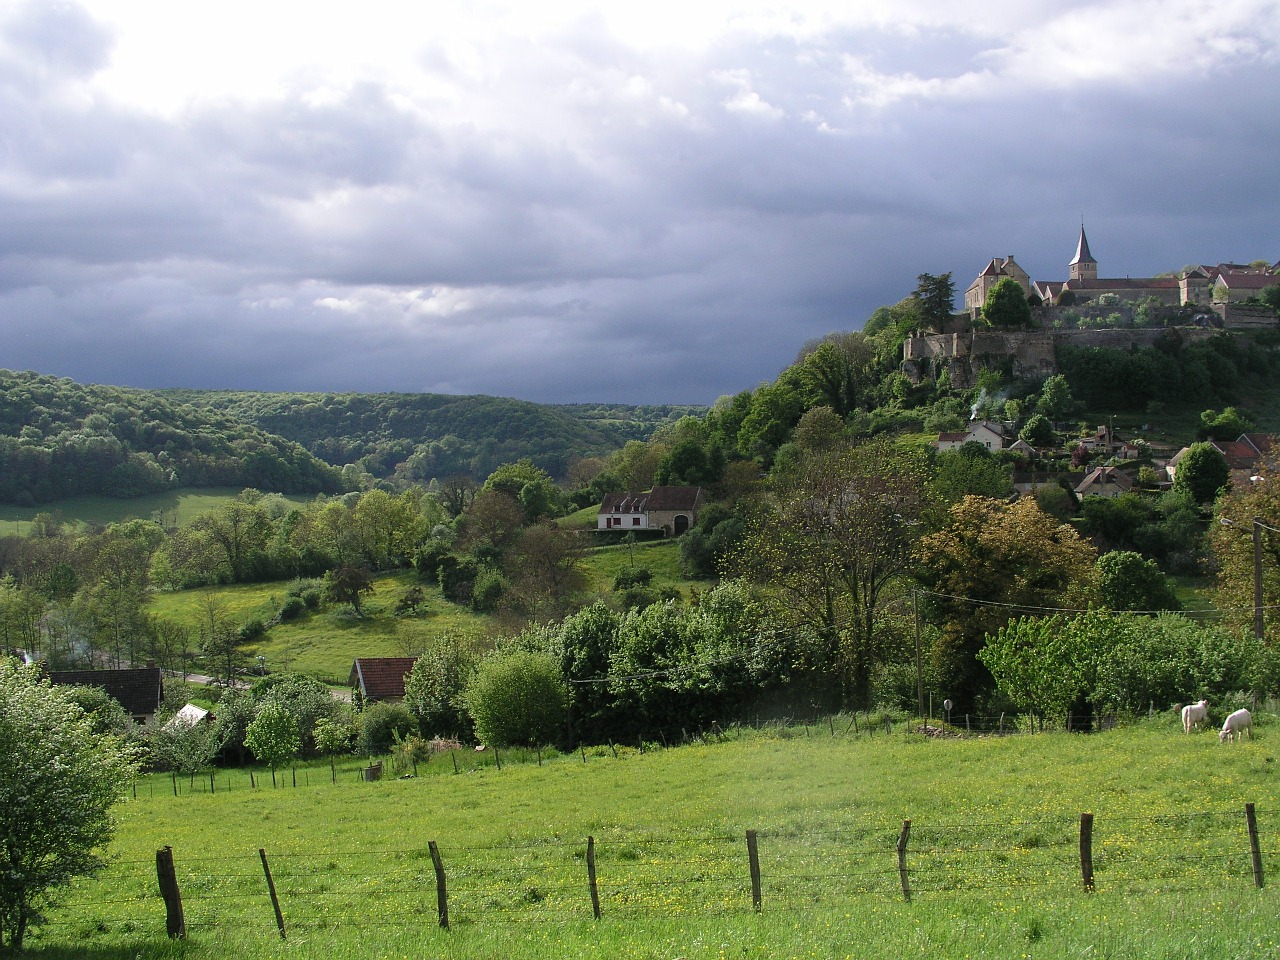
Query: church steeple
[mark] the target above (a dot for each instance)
(1083, 267)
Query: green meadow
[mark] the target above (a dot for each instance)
(992, 856)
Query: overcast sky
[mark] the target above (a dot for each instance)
(641, 203)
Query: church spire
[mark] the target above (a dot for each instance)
(1083, 267)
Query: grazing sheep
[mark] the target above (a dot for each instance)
(1193, 713)
(1235, 725)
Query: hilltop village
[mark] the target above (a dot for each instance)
(1088, 310)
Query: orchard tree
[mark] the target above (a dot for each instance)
(434, 688)
(273, 736)
(332, 738)
(58, 781)
(349, 584)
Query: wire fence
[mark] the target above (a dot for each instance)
(631, 876)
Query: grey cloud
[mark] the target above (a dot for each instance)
(602, 226)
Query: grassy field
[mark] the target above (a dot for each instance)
(992, 855)
(323, 644)
(176, 507)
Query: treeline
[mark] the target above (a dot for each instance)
(415, 438)
(59, 438)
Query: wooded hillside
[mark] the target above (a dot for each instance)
(422, 436)
(59, 438)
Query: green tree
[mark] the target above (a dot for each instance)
(840, 370)
(1202, 472)
(1130, 581)
(1055, 398)
(1047, 666)
(517, 698)
(434, 688)
(381, 725)
(273, 736)
(1038, 431)
(349, 584)
(1225, 425)
(1006, 307)
(58, 781)
(992, 559)
(332, 738)
(937, 296)
(841, 531)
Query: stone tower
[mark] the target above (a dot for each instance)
(1083, 267)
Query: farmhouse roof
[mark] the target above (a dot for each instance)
(138, 689)
(1102, 478)
(1248, 281)
(659, 498)
(380, 678)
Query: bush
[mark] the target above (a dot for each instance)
(292, 609)
(518, 699)
(490, 587)
(637, 577)
(252, 630)
(381, 724)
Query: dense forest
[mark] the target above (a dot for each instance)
(417, 437)
(59, 438)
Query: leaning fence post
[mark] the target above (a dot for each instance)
(1086, 851)
(902, 860)
(271, 889)
(591, 877)
(1254, 847)
(175, 924)
(753, 860)
(442, 895)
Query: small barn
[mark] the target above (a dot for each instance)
(379, 679)
(139, 690)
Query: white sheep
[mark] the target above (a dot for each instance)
(1235, 725)
(1193, 713)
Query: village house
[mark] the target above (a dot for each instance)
(986, 432)
(673, 510)
(1105, 482)
(1244, 455)
(379, 679)
(140, 690)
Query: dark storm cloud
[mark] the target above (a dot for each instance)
(577, 220)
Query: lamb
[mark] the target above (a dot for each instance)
(1235, 725)
(1193, 713)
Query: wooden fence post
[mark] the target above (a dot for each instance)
(442, 894)
(1254, 847)
(902, 860)
(271, 889)
(1086, 851)
(453, 755)
(175, 923)
(753, 860)
(591, 877)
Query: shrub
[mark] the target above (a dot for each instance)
(381, 724)
(292, 608)
(252, 630)
(517, 699)
(490, 587)
(635, 577)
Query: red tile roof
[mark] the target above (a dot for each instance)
(380, 678)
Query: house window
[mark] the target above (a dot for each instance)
(635, 521)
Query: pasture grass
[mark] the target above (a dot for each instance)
(172, 508)
(323, 643)
(993, 854)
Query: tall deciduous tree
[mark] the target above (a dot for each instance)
(1231, 541)
(837, 536)
(1202, 472)
(992, 561)
(58, 780)
(1006, 307)
(840, 370)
